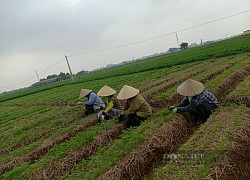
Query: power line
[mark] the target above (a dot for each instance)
(32, 76)
(129, 44)
(209, 22)
(160, 36)
(51, 66)
(19, 82)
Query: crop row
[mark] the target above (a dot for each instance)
(194, 159)
(76, 138)
(234, 164)
(56, 137)
(35, 127)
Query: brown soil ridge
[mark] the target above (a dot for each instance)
(39, 136)
(226, 115)
(74, 157)
(143, 157)
(239, 100)
(52, 118)
(43, 149)
(232, 81)
(168, 137)
(235, 163)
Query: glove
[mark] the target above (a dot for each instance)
(171, 107)
(102, 117)
(175, 110)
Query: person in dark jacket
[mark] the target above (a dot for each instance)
(197, 99)
(113, 107)
(94, 102)
(136, 108)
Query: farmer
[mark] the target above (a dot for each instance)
(94, 102)
(197, 99)
(136, 109)
(113, 108)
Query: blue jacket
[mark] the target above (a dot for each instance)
(95, 100)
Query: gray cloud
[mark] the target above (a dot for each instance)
(37, 33)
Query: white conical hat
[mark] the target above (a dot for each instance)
(106, 91)
(190, 88)
(84, 92)
(127, 92)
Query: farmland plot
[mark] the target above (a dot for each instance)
(53, 139)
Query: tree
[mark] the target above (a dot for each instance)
(184, 45)
(81, 73)
(51, 76)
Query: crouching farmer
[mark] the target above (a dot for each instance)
(113, 107)
(94, 102)
(136, 109)
(197, 100)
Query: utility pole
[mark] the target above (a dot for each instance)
(178, 44)
(72, 77)
(37, 76)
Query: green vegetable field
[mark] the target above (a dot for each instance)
(45, 135)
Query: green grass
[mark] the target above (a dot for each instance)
(243, 89)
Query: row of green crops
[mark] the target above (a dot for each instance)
(46, 139)
(37, 125)
(211, 141)
(243, 89)
(58, 151)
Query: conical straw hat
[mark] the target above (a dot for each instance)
(127, 92)
(106, 91)
(190, 88)
(84, 92)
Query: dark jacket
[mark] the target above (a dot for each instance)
(206, 99)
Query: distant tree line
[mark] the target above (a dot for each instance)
(56, 78)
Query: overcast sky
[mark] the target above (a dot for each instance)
(36, 34)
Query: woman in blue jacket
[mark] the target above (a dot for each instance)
(94, 102)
